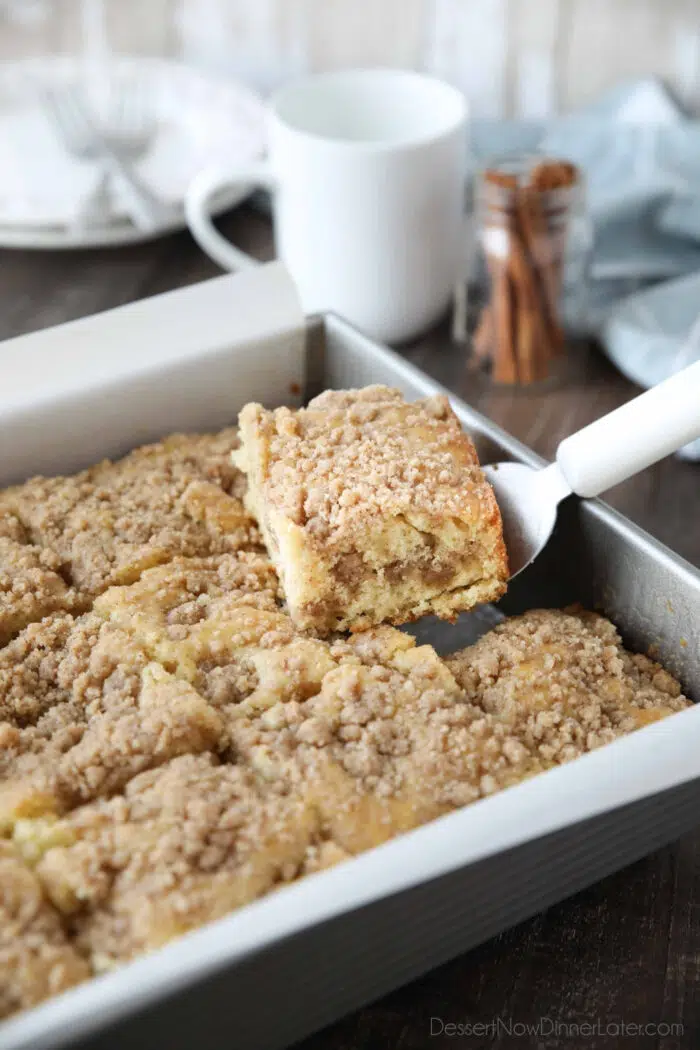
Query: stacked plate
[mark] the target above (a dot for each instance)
(173, 120)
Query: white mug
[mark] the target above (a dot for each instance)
(366, 168)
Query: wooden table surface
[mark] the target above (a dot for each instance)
(626, 951)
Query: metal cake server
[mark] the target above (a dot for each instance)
(603, 454)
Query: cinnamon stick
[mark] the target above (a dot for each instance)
(531, 333)
(545, 178)
(505, 364)
(524, 223)
(484, 337)
(540, 247)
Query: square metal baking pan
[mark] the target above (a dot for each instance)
(299, 959)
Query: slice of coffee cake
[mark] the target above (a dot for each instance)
(374, 510)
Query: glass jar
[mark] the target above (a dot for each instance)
(533, 244)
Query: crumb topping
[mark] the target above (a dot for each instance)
(109, 523)
(30, 586)
(388, 740)
(349, 457)
(36, 959)
(202, 618)
(183, 845)
(563, 684)
(11, 528)
(83, 710)
(29, 683)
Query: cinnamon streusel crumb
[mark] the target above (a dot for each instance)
(36, 958)
(562, 683)
(30, 586)
(109, 523)
(385, 742)
(82, 710)
(184, 845)
(202, 619)
(373, 510)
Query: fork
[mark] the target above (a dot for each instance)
(81, 139)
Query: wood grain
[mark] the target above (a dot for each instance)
(468, 44)
(364, 32)
(627, 949)
(513, 57)
(262, 44)
(533, 74)
(595, 29)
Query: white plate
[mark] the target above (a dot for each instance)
(201, 120)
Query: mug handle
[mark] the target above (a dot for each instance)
(198, 211)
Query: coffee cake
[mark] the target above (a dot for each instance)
(107, 524)
(372, 509)
(36, 958)
(82, 710)
(385, 742)
(183, 845)
(563, 683)
(174, 745)
(31, 585)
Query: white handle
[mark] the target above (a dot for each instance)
(634, 436)
(198, 208)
